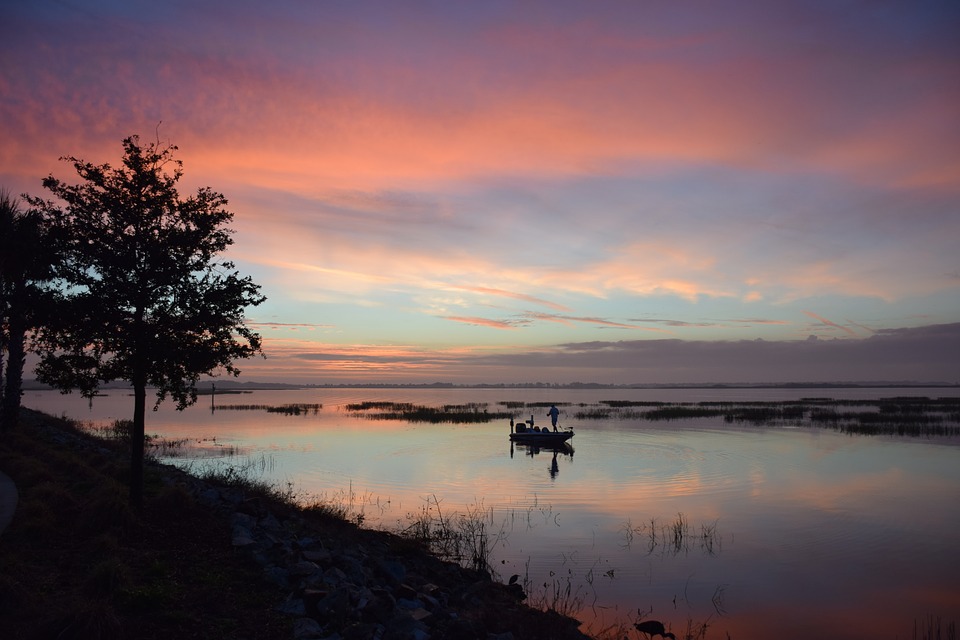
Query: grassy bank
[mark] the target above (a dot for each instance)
(78, 563)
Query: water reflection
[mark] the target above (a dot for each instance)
(564, 449)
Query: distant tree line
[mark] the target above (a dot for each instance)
(118, 277)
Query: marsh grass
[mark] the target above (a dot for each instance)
(934, 628)
(896, 416)
(564, 593)
(293, 409)
(472, 412)
(467, 538)
(184, 448)
(344, 504)
(246, 475)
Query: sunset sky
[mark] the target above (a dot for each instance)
(618, 192)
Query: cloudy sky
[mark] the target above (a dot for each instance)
(626, 192)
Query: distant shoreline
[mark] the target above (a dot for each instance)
(205, 388)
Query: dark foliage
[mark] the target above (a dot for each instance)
(26, 256)
(146, 298)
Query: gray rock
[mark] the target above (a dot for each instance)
(303, 568)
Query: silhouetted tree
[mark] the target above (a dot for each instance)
(25, 264)
(147, 299)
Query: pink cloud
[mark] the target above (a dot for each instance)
(526, 99)
(515, 296)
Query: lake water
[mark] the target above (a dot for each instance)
(789, 533)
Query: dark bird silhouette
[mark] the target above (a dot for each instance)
(654, 628)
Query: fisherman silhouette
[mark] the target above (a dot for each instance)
(553, 413)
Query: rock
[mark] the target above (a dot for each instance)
(293, 607)
(320, 556)
(276, 575)
(242, 541)
(405, 591)
(303, 568)
(420, 614)
(363, 631)
(379, 607)
(334, 607)
(408, 604)
(307, 629)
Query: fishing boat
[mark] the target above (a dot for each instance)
(528, 433)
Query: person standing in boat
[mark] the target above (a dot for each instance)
(554, 413)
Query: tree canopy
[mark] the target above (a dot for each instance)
(147, 297)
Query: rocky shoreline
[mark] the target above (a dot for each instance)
(345, 582)
(339, 581)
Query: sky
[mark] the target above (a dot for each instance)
(497, 192)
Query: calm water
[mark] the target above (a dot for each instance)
(791, 533)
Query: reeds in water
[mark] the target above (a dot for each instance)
(465, 538)
(294, 409)
(933, 628)
(473, 412)
(900, 416)
(674, 537)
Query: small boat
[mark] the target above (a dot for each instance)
(542, 438)
(528, 433)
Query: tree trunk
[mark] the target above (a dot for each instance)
(138, 430)
(13, 385)
(137, 440)
(3, 426)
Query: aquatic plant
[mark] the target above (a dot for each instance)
(369, 405)
(673, 537)
(294, 409)
(901, 416)
(474, 412)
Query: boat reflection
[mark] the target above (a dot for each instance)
(557, 449)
